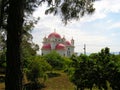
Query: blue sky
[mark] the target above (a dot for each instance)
(97, 31)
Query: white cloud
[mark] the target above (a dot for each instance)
(106, 6)
(103, 8)
(94, 39)
(114, 25)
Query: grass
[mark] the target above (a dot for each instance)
(2, 86)
(59, 82)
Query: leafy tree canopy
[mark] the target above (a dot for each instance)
(70, 9)
(55, 60)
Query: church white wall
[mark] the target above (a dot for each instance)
(44, 52)
(61, 52)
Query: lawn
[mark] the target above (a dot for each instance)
(59, 82)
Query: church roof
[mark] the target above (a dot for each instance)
(60, 47)
(46, 46)
(54, 34)
(67, 43)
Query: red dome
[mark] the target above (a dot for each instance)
(54, 34)
(60, 47)
(46, 46)
(67, 43)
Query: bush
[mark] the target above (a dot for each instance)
(55, 60)
(37, 68)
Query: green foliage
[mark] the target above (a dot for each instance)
(83, 72)
(67, 64)
(55, 60)
(96, 69)
(37, 68)
(70, 9)
(28, 51)
(114, 72)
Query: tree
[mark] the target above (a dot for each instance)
(55, 60)
(83, 74)
(102, 62)
(67, 64)
(114, 72)
(98, 69)
(28, 47)
(71, 9)
(37, 68)
(14, 32)
(28, 50)
(14, 29)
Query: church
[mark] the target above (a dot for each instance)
(54, 42)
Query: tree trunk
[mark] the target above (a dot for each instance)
(1, 12)
(14, 28)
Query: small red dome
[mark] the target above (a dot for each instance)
(54, 34)
(67, 43)
(60, 47)
(46, 46)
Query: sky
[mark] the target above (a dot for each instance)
(97, 31)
